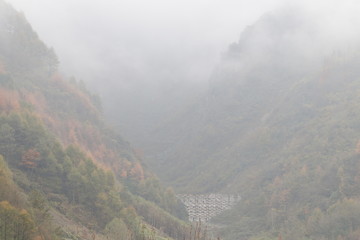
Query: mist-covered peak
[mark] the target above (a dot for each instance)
(20, 47)
(274, 28)
(284, 33)
(280, 46)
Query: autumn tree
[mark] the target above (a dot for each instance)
(30, 159)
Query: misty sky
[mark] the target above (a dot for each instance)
(140, 37)
(139, 33)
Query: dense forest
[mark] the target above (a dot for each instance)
(64, 173)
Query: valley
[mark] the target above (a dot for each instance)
(266, 148)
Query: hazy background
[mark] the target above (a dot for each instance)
(147, 58)
(139, 35)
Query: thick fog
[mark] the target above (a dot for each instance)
(146, 58)
(140, 36)
(161, 35)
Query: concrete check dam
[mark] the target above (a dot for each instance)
(203, 207)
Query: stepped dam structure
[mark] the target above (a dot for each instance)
(203, 207)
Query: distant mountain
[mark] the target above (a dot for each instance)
(253, 78)
(280, 126)
(64, 173)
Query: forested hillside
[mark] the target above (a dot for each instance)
(64, 173)
(280, 126)
(253, 79)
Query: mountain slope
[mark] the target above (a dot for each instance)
(254, 76)
(62, 158)
(279, 125)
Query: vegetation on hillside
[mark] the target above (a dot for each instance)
(59, 162)
(280, 126)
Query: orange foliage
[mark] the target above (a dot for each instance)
(71, 131)
(137, 172)
(88, 137)
(123, 173)
(101, 151)
(37, 100)
(84, 98)
(30, 158)
(104, 167)
(123, 168)
(38, 237)
(9, 100)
